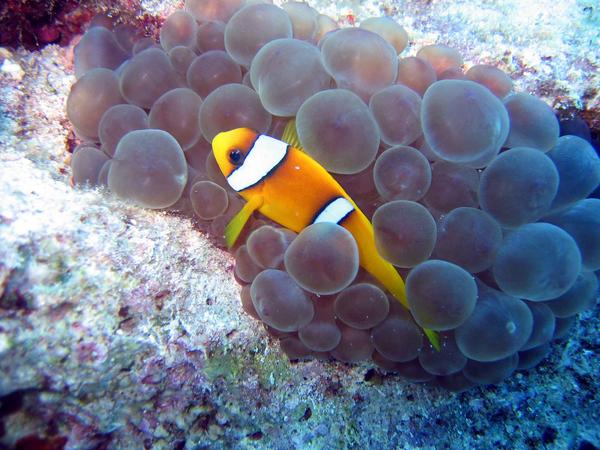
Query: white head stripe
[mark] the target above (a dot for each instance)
(335, 211)
(264, 156)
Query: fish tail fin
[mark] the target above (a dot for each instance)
(382, 270)
(399, 292)
(433, 337)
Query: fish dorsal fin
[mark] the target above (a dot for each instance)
(290, 135)
(236, 224)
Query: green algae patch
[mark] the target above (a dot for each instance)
(270, 367)
(352, 433)
(225, 364)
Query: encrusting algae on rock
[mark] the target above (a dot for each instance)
(443, 162)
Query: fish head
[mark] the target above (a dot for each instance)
(231, 147)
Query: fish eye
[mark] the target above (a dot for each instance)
(236, 156)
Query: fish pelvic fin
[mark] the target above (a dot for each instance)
(236, 224)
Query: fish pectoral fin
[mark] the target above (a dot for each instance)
(290, 135)
(236, 224)
(433, 338)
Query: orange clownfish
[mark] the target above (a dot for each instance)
(289, 187)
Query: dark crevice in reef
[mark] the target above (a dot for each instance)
(36, 24)
(33, 25)
(50, 424)
(23, 400)
(11, 403)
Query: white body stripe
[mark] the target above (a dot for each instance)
(264, 156)
(335, 211)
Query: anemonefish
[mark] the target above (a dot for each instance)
(289, 187)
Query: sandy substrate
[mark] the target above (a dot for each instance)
(121, 327)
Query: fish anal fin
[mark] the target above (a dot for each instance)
(236, 224)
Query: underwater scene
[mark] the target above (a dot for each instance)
(267, 224)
